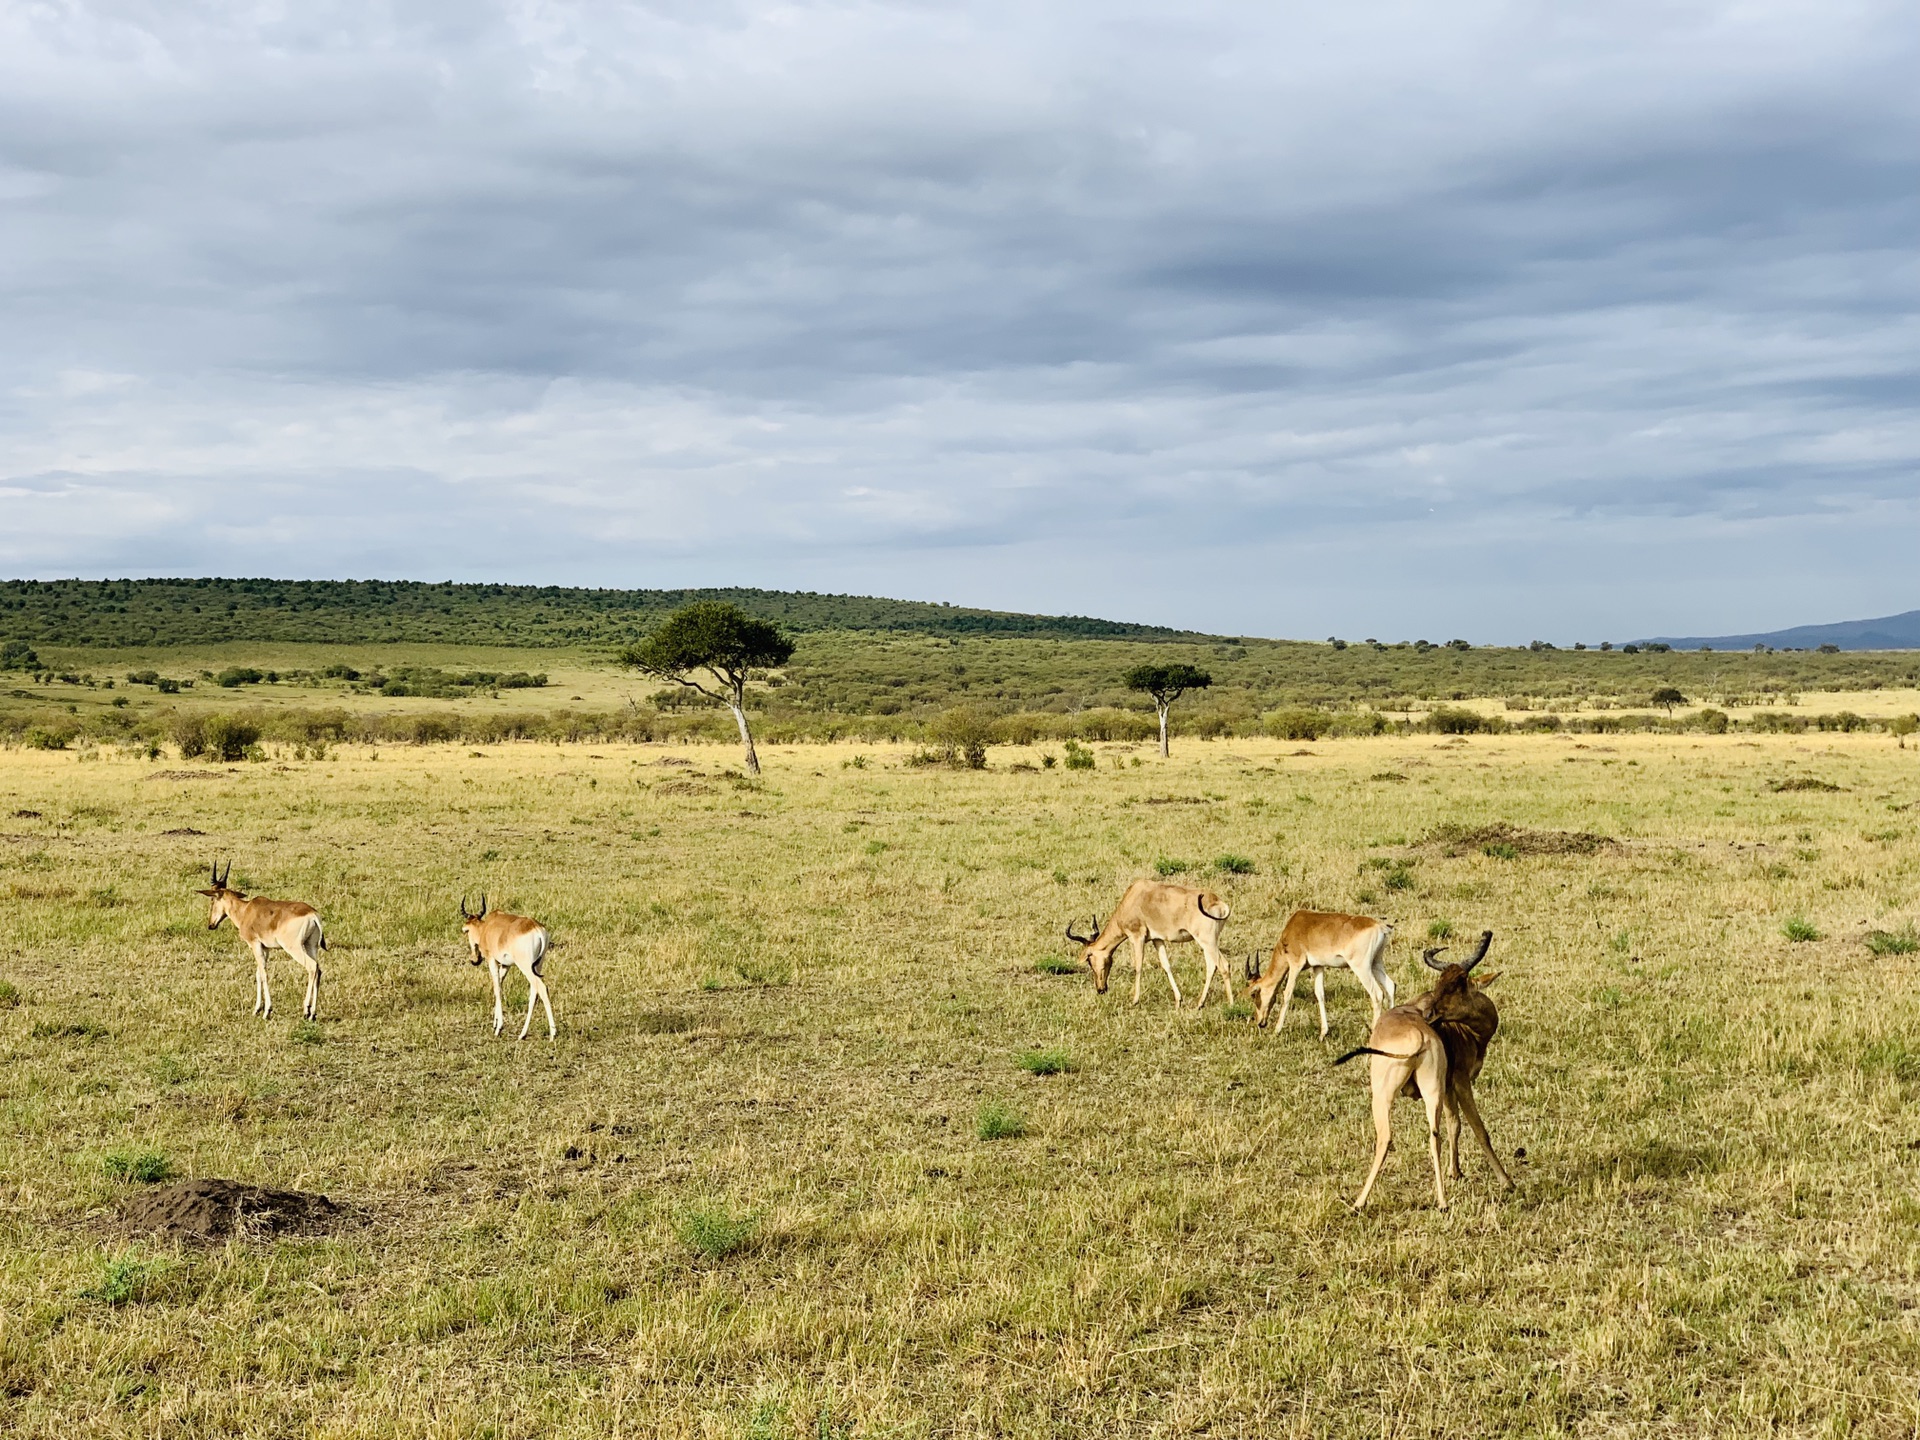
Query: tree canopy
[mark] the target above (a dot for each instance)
(1166, 683)
(722, 640)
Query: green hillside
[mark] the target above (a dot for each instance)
(138, 613)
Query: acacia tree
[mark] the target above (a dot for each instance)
(1668, 696)
(722, 641)
(1166, 683)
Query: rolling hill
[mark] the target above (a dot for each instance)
(1889, 632)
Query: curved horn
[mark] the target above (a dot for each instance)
(483, 906)
(1480, 953)
(1253, 965)
(222, 880)
(463, 906)
(1426, 957)
(1084, 939)
(213, 875)
(1201, 901)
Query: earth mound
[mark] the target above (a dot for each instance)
(214, 1209)
(1463, 839)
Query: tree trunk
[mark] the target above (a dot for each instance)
(1162, 708)
(739, 708)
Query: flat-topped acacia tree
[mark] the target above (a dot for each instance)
(722, 641)
(1166, 683)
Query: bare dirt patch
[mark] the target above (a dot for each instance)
(204, 1210)
(1803, 782)
(1469, 839)
(184, 830)
(189, 775)
(682, 787)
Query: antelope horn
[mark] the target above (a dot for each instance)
(213, 875)
(463, 906)
(1083, 939)
(483, 906)
(1486, 944)
(1201, 901)
(222, 881)
(1428, 960)
(1253, 965)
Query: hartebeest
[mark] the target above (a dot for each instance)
(1154, 910)
(1432, 1047)
(289, 925)
(1467, 1020)
(509, 942)
(1324, 941)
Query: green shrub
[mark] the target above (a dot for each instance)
(1799, 930)
(1453, 720)
(1046, 1062)
(190, 734)
(1299, 724)
(998, 1121)
(1713, 722)
(1893, 942)
(42, 739)
(1165, 867)
(1234, 865)
(1078, 756)
(236, 675)
(715, 1232)
(963, 734)
(1357, 723)
(228, 737)
(148, 1167)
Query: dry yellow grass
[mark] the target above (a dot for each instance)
(745, 1193)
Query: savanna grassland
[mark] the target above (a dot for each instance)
(747, 1192)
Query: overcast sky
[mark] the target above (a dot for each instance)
(1576, 321)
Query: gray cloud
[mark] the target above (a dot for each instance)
(1583, 322)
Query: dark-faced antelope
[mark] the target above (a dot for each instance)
(1414, 1048)
(1165, 914)
(1324, 941)
(1467, 1020)
(509, 942)
(289, 925)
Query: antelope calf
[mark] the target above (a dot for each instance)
(1433, 1048)
(289, 925)
(1324, 941)
(509, 942)
(1154, 910)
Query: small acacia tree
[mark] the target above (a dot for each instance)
(723, 642)
(1166, 684)
(1668, 696)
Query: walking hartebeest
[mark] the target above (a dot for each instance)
(509, 942)
(289, 925)
(1154, 910)
(1324, 941)
(1432, 1047)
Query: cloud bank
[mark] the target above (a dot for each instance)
(1483, 319)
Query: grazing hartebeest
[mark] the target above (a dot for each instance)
(289, 925)
(1413, 1048)
(1324, 941)
(509, 942)
(1154, 910)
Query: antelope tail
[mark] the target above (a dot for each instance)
(1369, 1050)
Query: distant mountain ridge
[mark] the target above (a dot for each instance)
(1889, 632)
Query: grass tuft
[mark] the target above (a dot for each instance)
(999, 1121)
(1440, 930)
(1893, 942)
(69, 1030)
(307, 1032)
(1053, 1061)
(1058, 965)
(715, 1232)
(1165, 867)
(125, 1279)
(1234, 865)
(9, 995)
(146, 1167)
(1799, 930)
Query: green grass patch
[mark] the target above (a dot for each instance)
(1165, 867)
(144, 1167)
(126, 1279)
(1234, 865)
(1058, 965)
(1893, 942)
(1799, 930)
(1052, 1061)
(307, 1032)
(999, 1121)
(715, 1231)
(9, 995)
(69, 1030)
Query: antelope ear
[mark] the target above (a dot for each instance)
(1488, 979)
(208, 893)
